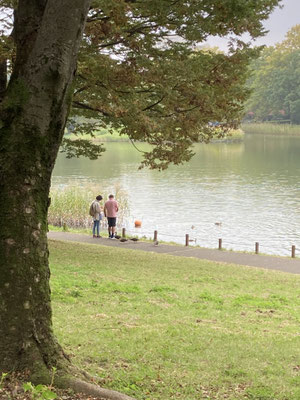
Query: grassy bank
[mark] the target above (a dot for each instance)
(105, 136)
(111, 137)
(102, 136)
(272, 129)
(234, 135)
(162, 327)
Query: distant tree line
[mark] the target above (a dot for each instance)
(275, 82)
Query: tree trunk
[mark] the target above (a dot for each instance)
(33, 115)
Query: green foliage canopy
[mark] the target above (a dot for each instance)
(276, 81)
(141, 70)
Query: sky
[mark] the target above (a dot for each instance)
(278, 24)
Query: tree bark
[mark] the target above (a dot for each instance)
(3, 78)
(33, 115)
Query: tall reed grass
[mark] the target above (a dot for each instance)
(272, 129)
(70, 205)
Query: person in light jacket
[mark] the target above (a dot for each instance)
(96, 213)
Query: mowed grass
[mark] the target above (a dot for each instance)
(164, 327)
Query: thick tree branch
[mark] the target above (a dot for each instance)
(154, 104)
(83, 106)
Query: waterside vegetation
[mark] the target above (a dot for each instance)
(70, 205)
(103, 136)
(234, 135)
(270, 128)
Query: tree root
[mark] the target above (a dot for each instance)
(65, 376)
(12, 387)
(79, 381)
(80, 386)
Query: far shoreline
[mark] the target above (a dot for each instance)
(236, 135)
(269, 128)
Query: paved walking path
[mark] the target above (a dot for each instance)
(284, 264)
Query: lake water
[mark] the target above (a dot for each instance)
(251, 188)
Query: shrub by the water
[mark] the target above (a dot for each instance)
(70, 205)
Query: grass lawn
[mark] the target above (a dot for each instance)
(161, 327)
